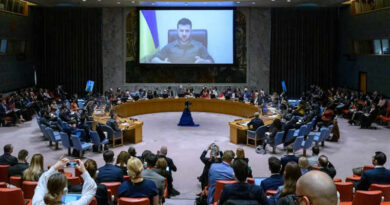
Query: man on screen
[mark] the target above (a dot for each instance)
(184, 49)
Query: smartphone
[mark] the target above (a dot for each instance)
(72, 164)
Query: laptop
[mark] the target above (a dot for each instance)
(70, 197)
(258, 180)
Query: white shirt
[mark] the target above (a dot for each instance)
(87, 194)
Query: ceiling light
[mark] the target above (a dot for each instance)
(238, 2)
(253, 3)
(118, 2)
(132, 2)
(288, 0)
(84, 0)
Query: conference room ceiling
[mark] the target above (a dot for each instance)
(173, 3)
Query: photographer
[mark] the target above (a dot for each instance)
(52, 185)
(214, 152)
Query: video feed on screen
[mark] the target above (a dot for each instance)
(186, 36)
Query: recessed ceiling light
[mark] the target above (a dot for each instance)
(288, 0)
(99, 0)
(253, 3)
(118, 2)
(132, 2)
(84, 0)
(272, 0)
(238, 2)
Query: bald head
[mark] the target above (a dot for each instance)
(164, 150)
(318, 187)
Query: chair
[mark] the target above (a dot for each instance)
(133, 201)
(319, 136)
(290, 135)
(95, 139)
(337, 180)
(16, 181)
(28, 188)
(113, 186)
(297, 143)
(385, 188)
(219, 187)
(80, 146)
(111, 135)
(277, 141)
(365, 198)
(306, 144)
(346, 191)
(3, 185)
(4, 173)
(196, 34)
(65, 141)
(11, 196)
(301, 132)
(257, 135)
(53, 136)
(250, 180)
(353, 178)
(73, 180)
(368, 167)
(271, 192)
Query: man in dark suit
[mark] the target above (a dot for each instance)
(255, 122)
(378, 175)
(7, 158)
(325, 166)
(109, 172)
(290, 157)
(18, 169)
(276, 179)
(163, 154)
(112, 122)
(242, 190)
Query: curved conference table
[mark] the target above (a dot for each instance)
(133, 129)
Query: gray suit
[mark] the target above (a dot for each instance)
(157, 179)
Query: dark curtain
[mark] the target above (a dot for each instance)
(303, 48)
(69, 47)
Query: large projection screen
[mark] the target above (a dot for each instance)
(186, 36)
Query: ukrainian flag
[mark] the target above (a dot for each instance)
(148, 33)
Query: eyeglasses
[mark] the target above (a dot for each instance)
(302, 198)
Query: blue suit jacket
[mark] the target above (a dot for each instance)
(286, 159)
(373, 176)
(272, 182)
(218, 171)
(110, 173)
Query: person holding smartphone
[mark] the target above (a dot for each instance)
(52, 185)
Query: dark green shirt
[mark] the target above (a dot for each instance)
(178, 53)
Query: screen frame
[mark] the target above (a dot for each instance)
(188, 65)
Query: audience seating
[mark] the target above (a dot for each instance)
(4, 173)
(133, 201)
(16, 181)
(73, 180)
(80, 146)
(3, 185)
(65, 141)
(385, 188)
(126, 178)
(250, 180)
(11, 196)
(113, 186)
(290, 135)
(111, 135)
(255, 135)
(346, 191)
(365, 198)
(297, 143)
(219, 187)
(354, 178)
(277, 141)
(271, 192)
(306, 144)
(337, 180)
(320, 136)
(28, 188)
(53, 136)
(302, 131)
(368, 167)
(95, 139)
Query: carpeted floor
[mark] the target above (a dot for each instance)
(185, 145)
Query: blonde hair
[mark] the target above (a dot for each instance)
(161, 163)
(303, 163)
(134, 168)
(35, 170)
(240, 153)
(55, 187)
